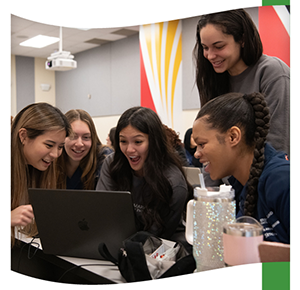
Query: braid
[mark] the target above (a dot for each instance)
(262, 119)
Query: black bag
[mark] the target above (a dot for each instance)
(136, 264)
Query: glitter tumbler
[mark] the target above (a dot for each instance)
(206, 216)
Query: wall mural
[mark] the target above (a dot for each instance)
(161, 59)
(161, 70)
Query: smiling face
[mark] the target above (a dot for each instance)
(134, 145)
(222, 51)
(79, 143)
(213, 150)
(41, 151)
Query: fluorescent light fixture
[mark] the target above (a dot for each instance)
(85, 29)
(40, 41)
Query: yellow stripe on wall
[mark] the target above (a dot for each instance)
(162, 54)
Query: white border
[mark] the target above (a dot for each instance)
(115, 13)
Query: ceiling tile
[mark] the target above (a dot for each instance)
(73, 39)
(125, 32)
(97, 41)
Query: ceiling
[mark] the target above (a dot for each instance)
(74, 40)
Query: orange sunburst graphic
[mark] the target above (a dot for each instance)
(161, 53)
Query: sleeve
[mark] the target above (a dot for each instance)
(105, 182)
(276, 88)
(177, 206)
(277, 189)
(104, 152)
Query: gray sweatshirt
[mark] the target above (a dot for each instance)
(140, 191)
(270, 76)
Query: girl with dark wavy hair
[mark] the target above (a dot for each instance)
(229, 58)
(230, 132)
(145, 164)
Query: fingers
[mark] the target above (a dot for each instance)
(22, 215)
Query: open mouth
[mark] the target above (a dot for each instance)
(47, 162)
(217, 64)
(206, 166)
(78, 151)
(134, 159)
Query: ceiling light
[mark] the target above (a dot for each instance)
(84, 28)
(40, 41)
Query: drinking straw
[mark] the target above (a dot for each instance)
(202, 183)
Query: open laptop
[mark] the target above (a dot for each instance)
(74, 222)
(192, 175)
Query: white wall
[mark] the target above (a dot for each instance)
(13, 109)
(43, 76)
(104, 124)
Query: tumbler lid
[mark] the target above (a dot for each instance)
(222, 193)
(244, 226)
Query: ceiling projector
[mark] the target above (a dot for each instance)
(61, 60)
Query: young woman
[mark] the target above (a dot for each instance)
(190, 148)
(38, 134)
(230, 132)
(83, 153)
(145, 164)
(111, 137)
(229, 58)
(177, 145)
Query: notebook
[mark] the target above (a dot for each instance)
(74, 222)
(192, 175)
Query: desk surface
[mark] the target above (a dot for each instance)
(102, 268)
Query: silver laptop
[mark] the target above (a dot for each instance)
(192, 175)
(74, 222)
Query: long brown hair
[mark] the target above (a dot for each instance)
(90, 162)
(37, 119)
(239, 24)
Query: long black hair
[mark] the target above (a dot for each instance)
(239, 24)
(250, 113)
(160, 156)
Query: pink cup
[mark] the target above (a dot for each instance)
(241, 240)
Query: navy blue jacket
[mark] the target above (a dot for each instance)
(273, 205)
(75, 181)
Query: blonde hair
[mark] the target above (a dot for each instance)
(90, 162)
(37, 119)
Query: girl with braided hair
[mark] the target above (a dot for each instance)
(230, 132)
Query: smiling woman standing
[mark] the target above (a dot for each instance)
(229, 58)
(83, 154)
(38, 134)
(145, 165)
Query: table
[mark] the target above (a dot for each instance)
(29, 259)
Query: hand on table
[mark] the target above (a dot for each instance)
(22, 215)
